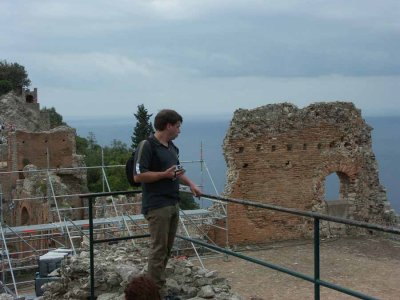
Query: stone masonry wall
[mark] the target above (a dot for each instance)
(29, 145)
(280, 154)
(33, 147)
(25, 148)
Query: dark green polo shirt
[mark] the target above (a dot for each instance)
(157, 157)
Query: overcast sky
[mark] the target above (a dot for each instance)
(205, 57)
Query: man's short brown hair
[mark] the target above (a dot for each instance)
(142, 288)
(166, 116)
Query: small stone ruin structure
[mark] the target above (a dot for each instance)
(280, 154)
(28, 144)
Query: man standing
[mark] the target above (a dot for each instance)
(159, 176)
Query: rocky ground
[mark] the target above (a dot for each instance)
(369, 264)
(115, 265)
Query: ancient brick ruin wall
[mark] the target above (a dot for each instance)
(34, 146)
(280, 154)
(26, 139)
(26, 148)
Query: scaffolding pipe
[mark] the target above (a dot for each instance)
(211, 179)
(112, 230)
(57, 242)
(70, 239)
(133, 221)
(96, 206)
(77, 227)
(57, 170)
(193, 246)
(24, 282)
(16, 233)
(115, 208)
(31, 251)
(6, 289)
(198, 228)
(19, 269)
(9, 260)
(53, 194)
(33, 237)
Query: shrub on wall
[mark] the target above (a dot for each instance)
(25, 162)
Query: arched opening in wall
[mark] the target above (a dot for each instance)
(337, 187)
(336, 194)
(29, 99)
(332, 185)
(25, 216)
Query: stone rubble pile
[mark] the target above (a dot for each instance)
(115, 265)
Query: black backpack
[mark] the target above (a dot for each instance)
(131, 163)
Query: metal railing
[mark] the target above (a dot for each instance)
(316, 280)
(91, 198)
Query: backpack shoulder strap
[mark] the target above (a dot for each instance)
(140, 150)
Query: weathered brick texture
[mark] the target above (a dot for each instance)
(279, 154)
(34, 146)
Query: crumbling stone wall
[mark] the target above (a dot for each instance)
(17, 113)
(59, 143)
(29, 140)
(30, 145)
(26, 148)
(280, 154)
(53, 149)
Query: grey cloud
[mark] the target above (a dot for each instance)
(159, 50)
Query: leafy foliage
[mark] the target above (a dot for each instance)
(5, 86)
(143, 127)
(15, 74)
(55, 118)
(115, 154)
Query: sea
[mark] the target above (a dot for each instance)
(202, 138)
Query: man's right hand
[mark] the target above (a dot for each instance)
(172, 174)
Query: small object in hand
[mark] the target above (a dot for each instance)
(178, 168)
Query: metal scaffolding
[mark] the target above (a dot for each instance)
(22, 245)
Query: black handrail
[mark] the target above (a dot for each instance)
(316, 216)
(308, 214)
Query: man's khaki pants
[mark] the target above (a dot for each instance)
(163, 223)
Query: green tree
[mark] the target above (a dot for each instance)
(143, 127)
(15, 74)
(81, 145)
(5, 86)
(55, 118)
(115, 154)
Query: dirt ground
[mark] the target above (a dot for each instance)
(370, 265)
